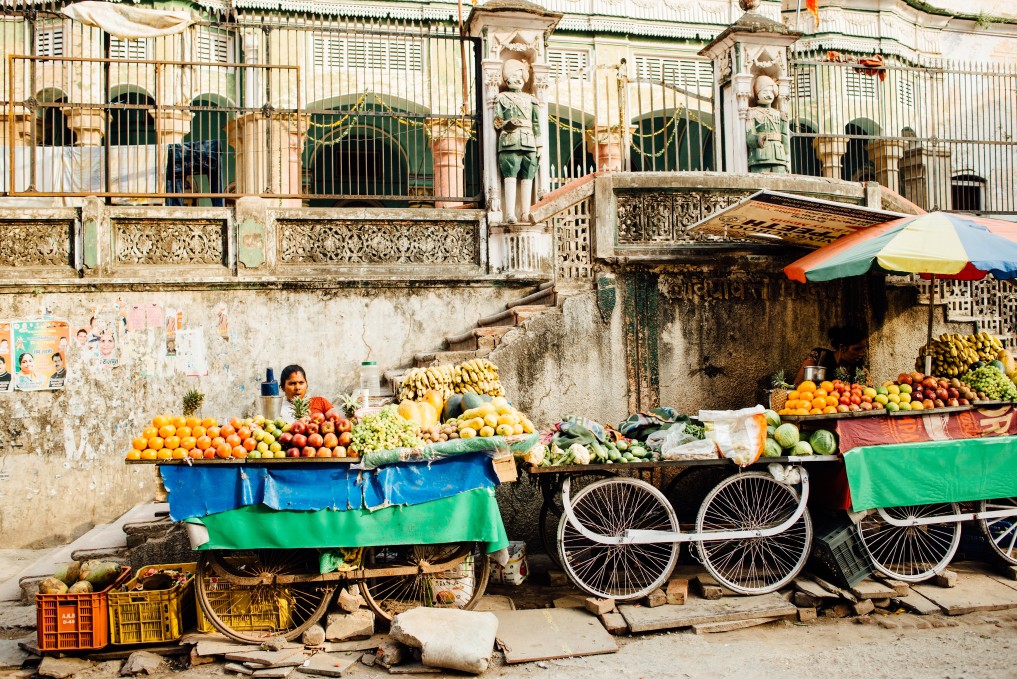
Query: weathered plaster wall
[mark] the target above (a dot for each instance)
(62, 467)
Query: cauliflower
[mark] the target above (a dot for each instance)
(580, 453)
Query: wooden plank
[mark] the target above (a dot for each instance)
(414, 668)
(548, 633)
(368, 644)
(215, 647)
(701, 611)
(975, 591)
(916, 603)
(811, 588)
(731, 625)
(872, 589)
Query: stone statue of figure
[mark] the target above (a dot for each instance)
(516, 117)
(767, 132)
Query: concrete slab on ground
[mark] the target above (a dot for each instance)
(548, 633)
(13, 614)
(702, 611)
(976, 590)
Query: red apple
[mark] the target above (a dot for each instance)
(317, 418)
(963, 402)
(904, 378)
(299, 440)
(293, 452)
(330, 441)
(308, 451)
(298, 427)
(942, 394)
(312, 428)
(928, 403)
(332, 415)
(314, 440)
(324, 452)
(953, 402)
(338, 451)
(326, 428)
(343, 425)
(285, 439)
(345, 439)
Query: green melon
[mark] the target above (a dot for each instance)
(772, 449)
(998, 365)
(772, 418)
(786, 435)
(823, 442)
(802, 448)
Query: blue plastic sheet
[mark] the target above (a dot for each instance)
(200, 490)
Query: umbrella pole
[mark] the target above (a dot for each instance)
(932, 309)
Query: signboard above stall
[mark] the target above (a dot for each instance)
(772, 217)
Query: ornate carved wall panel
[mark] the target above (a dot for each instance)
(663, 217)
(990, 304)
(573, 248)
(170, 242)
(367, 242)
(36, 243)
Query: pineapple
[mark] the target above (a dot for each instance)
(841, 374)
(778, 395)
(349, 404)
(192, 402)
(301, 408)
(861, 376)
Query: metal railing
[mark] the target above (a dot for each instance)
(944, 135)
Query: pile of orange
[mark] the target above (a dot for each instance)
(174, 437)
(829, 397)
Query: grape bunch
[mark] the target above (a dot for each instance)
(992, 383)
(385, 430)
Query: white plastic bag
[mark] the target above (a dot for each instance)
(696, 449)
(513, 572)
(740, 435)
(675, 436)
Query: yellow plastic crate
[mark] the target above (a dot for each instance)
(244, 608)
(138, 617)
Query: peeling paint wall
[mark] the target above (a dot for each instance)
(62, 464)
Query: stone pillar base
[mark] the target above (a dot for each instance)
(448, 148)
(24, 121)
(830, 151)
(87, 124)
(607, 145)
(268, 154)
(520, 248)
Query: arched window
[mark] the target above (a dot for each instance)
(967, 192)
(53, 130)
(803, 151)
(130, 120)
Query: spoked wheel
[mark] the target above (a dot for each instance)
(459, 587)
(610, 507)
(688, 489)
(914, 553)
(753, 565)
(252, 613)
(551, 511)
(1001, 532)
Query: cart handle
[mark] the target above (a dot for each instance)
(951, 518)
(648, 537)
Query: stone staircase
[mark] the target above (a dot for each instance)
(482, 339)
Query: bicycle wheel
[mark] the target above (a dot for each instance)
(253, 613)
(459, 587)
(756, 565)
(1001, 532)
(914, 553)
(610, 507)
(551, 511)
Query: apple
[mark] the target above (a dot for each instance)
(345, 439)
(317, 418)
(930, 382)
(330, 440)
(855, 399)
(308, 451)
(343, 425)
(293, 452)
(323, 452)
(326, 428)
(312, 428)
(917, 376)
(274, 447)
(953, 393)
(314, 440)
(866, 399)
(298, 427)
(332, 416)
(942, 394)
(904, 378)
(939, 403)
(845, 400)
(953, 402)
(338, 451)
(963, 402)
(876, 405)
(299, 440)
(285, 438)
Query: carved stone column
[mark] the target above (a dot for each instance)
(607, 145)
(830, 151)
(171, 126)
(268, 150)
(541, 83)
(87, 124)
(927, 177)
(520, 248)
(886, 155)
(23, 124)
(448, 149)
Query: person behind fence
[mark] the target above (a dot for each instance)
(767, 132)
(517, 117)
(848, 353)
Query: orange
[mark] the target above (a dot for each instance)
(218, 441)
(209, 422)
(807, 385)
(160, 421)
(179, 421)
(150, 432)
(198, 431)
(249, 444)
(233, 440)
(793, 394)
(832, 401)
(164, 454)
(223, 450)
(244, 433)
(188, 442)
(197, 454)
(227, 430)
(826, 386)
(819, 402)
(203, 443)
(139, 443)
(184, 432)
(192, 421)
(133, 454)
(815, 411)
(156, 443)
(212, 432)
(179, 454)
(209, 454)
(148, 454)
(167, 430)
(236, 423)
(801, 411)
(830, 409)
(238, 451)
(172, 442)
(822, 392)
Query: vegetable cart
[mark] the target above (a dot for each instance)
(276, 538)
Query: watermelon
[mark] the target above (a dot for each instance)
(823, 442)
(772, 418)
(786, 435)
(772, 449)
(998, 365)
(802, 448)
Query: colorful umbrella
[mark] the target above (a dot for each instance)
(942, 244)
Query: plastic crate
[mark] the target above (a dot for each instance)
(838, 553)
(244, 608)
(75, 622)
(140, 617)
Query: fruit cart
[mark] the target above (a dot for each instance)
(277, 537)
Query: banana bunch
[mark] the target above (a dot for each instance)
(952, 354)
(418, 381)
(477, 376)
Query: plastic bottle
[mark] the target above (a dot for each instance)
(370, 379)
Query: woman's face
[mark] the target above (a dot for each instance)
(27, 363)
(854, 353)
(106, 344)
(295, 386)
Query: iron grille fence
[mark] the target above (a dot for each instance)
(944, 135)
(321, 111)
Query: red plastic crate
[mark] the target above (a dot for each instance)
(75, 622)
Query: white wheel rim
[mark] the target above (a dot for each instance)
(1001, 532)
(914, 553)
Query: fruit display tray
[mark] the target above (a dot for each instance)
(992, 404)
(831, 416)
(929, 411)
(247, 460)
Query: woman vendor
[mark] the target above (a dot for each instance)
(848, 352)
(294, 385)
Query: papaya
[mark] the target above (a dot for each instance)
(434, 398)
(52, 586)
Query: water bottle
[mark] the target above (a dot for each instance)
(370, 380)
(270, 403)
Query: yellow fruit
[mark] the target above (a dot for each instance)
(491, 419)
(487, 409)
(504, 430)
(467, 433)
(476, 423)
(428, 414)
(434, 398)
(807, 385)
(893, 389)
(528, 426)
(484, 431)
(517, 429)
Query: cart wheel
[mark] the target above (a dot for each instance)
(914, 553)
(1001, 532)
(753, 501)
(254, 613)
(461, 587)
(551, 511)
(622, 572)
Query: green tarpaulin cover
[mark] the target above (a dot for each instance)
(472, 516)
(932, 471)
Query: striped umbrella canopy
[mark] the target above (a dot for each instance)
(943, 244)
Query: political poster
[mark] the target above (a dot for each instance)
(40, 354)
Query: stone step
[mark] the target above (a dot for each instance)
(545, 296)
(514, 316)
(447, 357)
(478, 338)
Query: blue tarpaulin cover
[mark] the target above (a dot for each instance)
(201, 490)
